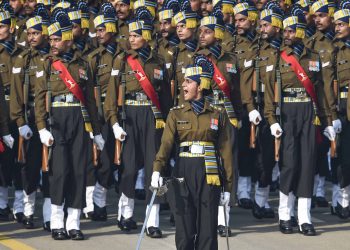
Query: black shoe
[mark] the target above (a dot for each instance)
(99, 214)
(245, 203)
(268, 213)
(172, 220)
(154, 232)
(286, 226)
(76, 234)
(28, 222)
(47, 226)
(222, 231)
(321, 201)
(307, 229)
(5, 214)
(275, 185)
(89, 215)
(126, 224)
(59, 234)
(342, 212)
(294, 221)
(258, 212)
(18, 217)
(140, 194)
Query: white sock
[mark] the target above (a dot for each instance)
(18, 204)
(57, 217)
(153, 219)
(100, 195)
(29, 203)
(89, 199)
(47, 209)
(304, 206)
(125, 207)
(73, 219)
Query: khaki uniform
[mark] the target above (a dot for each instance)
(298, 156)
(67, 129)
(341, 167)
(21, 32)
(191, 198)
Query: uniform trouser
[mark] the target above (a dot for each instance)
(322, 168)
(139, 149)
(194, 204)
(298, 149)
(69, 157)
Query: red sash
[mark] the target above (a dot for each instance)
(2, 147)
(68, 80)
(143, 80)
(221, 81)
(301, 74)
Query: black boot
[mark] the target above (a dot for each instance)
(28, 222)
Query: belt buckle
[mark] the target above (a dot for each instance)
(301, 95)
(69, 98)
(197, 149)
(141, 97)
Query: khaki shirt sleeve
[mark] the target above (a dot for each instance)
(40, 99)
(225, 149)
(246, 80)
(4, 130)
(16, 98)
(269, 95)
(167, 143)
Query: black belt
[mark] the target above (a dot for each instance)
(7, 90)
(344, 89)
(302, 94)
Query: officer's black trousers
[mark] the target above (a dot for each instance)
(140, 147)
(194, 204)
(245, 154)
(264, 155)
(298, 152)
(101, 172)
(69, 157)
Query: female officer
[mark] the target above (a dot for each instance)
(202, 132)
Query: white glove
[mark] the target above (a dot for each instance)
(25, 132)
(8, 139)
(118, 131)
(91, 135)
(157, 180)
(337, 126)
(276, 130)
(225, 198)
(255, 117)
(46, 137)
(329, 132)
(99, 141)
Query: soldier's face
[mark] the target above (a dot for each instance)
(192, 90)
(289, 36)
(195, 5)
(29, 6)
(227, 18)
(342, 30)
(206, 7)
(206, 36)
(309, 18)
(136, 41)
(165, 28)
(242, 24)
(184, 33)
(123, 10)
(5, 32)
(259, 4)
(77, 31)
(58, 46)
(103, 37)
(35, 37)
(16, 5)
(267, 31)
(322, 21)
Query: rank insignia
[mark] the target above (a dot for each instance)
(158, 74)
(231, 68)
(83, 74)
(314, 66)
(214, 124)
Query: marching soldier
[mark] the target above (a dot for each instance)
(140, 79)
(202, 134)
(225, 85)
(271, 18)
(10, 169)
(186, 24)
(341, 171)
(230, 30)
(294, 106)
(321, 42)
(245, 47)
(310, 30)
(26, 70)
(24, 14)
(101, 62)
(125, 15)
(65, 109)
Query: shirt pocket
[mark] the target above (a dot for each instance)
(4, 74)
(103, 75)
(183, 126)
(343, 68)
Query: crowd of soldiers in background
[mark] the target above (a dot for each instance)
(246, 47)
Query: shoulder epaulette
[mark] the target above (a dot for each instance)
(216, 107)
(178, 107)
(94, 53)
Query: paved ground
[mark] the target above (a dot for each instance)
(249, 233)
